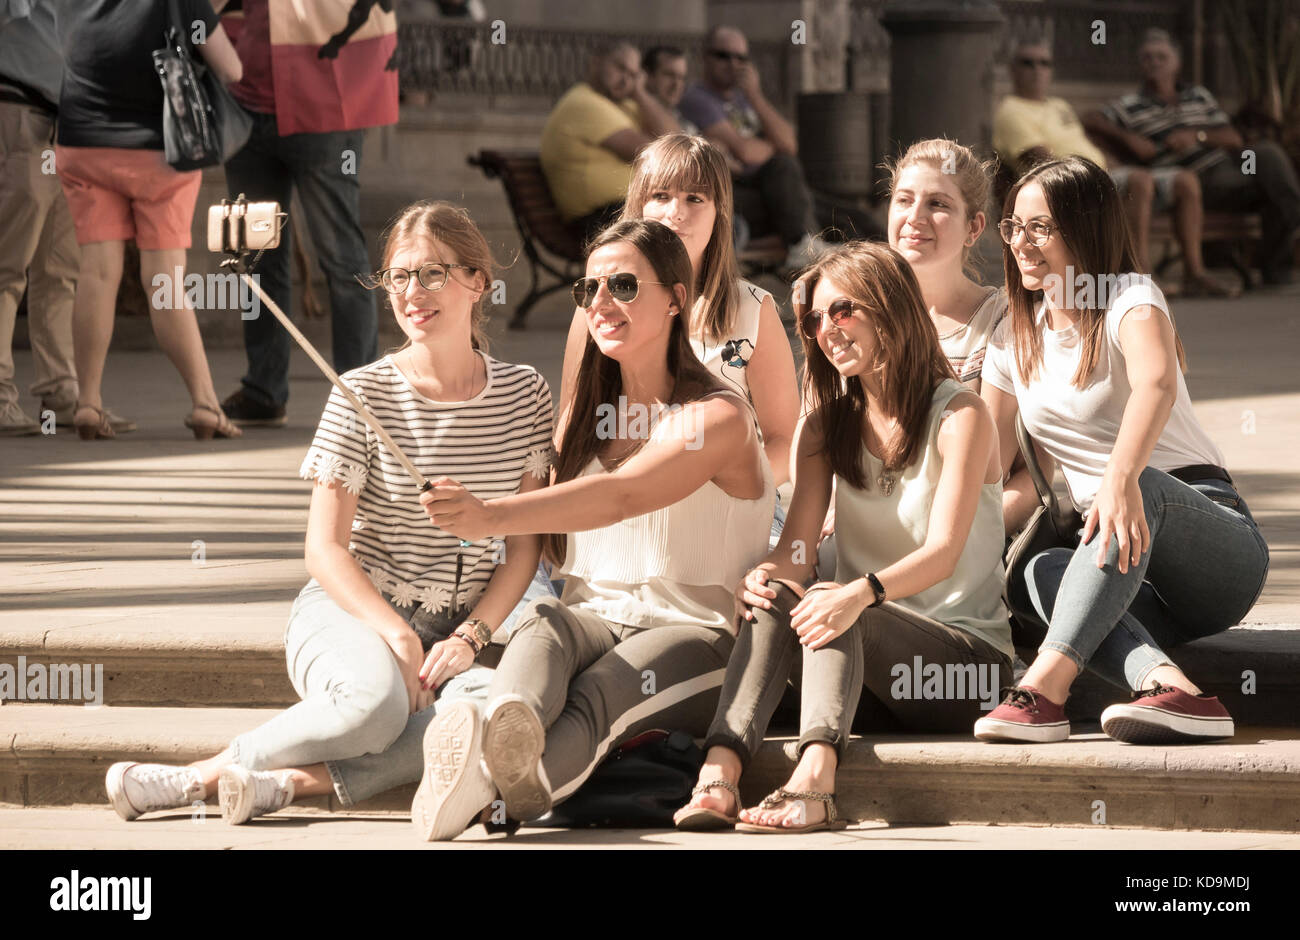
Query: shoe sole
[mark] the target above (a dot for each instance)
(997, 730)
(1137, 724)
(512, 749)
(235, 795)
(117, 792)
(446, 801)
(259, 422)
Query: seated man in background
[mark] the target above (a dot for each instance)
(595, 131)
(665, 70)
(1170, 126)
(1031, 126)
(729, 108)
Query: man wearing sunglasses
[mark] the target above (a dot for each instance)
(731, 110)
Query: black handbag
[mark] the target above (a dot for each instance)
(1051, 526)
(639, 786)
(203, 125)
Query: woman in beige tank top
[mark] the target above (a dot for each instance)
(917, 592)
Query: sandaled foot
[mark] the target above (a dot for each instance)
(786, 811)
(207, 422)
(713, 805)
(92, 423)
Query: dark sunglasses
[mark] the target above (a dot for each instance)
(740, 57)
(432, 276)
(623, 287)
(839, 311)
(1030, 63)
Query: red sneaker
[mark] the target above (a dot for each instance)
(1162, 715)
(1025, 715)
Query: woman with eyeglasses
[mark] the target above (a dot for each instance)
(913, 457)
(397, 611)
(733, 325)
(1169, 552)
(666, 495)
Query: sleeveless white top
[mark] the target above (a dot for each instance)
(674, 566)
(744, 335)
(873, 530)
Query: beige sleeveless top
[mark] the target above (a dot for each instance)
(675, 566)
(744, 335)
(872, 531)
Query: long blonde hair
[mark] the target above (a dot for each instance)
(680, 161)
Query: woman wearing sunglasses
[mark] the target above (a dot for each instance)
(683, 182)
(913, 456)
(666, 495)
(396, 610)
(1169, 551)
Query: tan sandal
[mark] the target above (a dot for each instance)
(700, 819)
(99, 429)
(781, 795)
(222, 427)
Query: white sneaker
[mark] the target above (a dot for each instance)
(803, 253)
(513, 741)
(248, 793)
(142, 788)
(454, 787)
(14, 422)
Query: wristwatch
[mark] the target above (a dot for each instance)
(877, 589)
(479, 630)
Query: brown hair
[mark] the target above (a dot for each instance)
(974, 178)
(680, 161)
(910, 362)
(452, 226)
(1090, 220)
(600, 380)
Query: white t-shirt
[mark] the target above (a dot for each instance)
(1078, 426)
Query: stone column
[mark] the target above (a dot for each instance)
(941, 72)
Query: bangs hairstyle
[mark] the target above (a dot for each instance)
(910, 362)
(680, 161)
(600, 379)
(973, 176)
(1090, 220)
(452, 226)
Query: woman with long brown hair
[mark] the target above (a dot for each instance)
(913, 457)
(1169, 551)
(667, 498)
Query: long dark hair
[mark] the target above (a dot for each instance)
(1090, 220)
(910, 362)
(600, 380)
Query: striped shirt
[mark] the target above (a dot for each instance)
(965, 345)
(486, 444)
(1152, 118)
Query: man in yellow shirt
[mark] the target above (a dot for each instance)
(595, 131)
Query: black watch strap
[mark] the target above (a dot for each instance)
(876, 588)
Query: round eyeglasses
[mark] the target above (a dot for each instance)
(431, 276)
(1037, 230)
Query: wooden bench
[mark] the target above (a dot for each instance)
(554, 246)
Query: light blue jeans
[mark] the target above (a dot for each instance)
(1203, 572)
(354, 713)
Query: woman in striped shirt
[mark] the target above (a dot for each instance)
(397, 610)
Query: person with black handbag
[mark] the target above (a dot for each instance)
(1168, 551)
(119, 186)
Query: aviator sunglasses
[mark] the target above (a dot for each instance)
(623, 287)
(839, 311)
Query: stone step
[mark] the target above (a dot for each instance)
(52, 756)
(1254, 669)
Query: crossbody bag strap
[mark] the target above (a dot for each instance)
(1061, 518)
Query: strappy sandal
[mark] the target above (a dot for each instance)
(99, 429)
(781, 795)
(700, 819)
(223, 427)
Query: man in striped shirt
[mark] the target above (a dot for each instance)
(1170, 126)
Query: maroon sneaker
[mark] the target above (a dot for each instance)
(1163, 715)
(1025, 715)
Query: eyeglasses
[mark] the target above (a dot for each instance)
(1037, 230)
(839, 311)
(623, 287)
(738, 57)
(432, 276)
(1029, 63)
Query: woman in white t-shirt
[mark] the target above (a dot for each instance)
(683, 182)
(1169, 551)
(396, 611)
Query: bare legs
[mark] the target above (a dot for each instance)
(176, 326)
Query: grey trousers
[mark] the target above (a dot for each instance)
(929, 676)
(595, 684)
